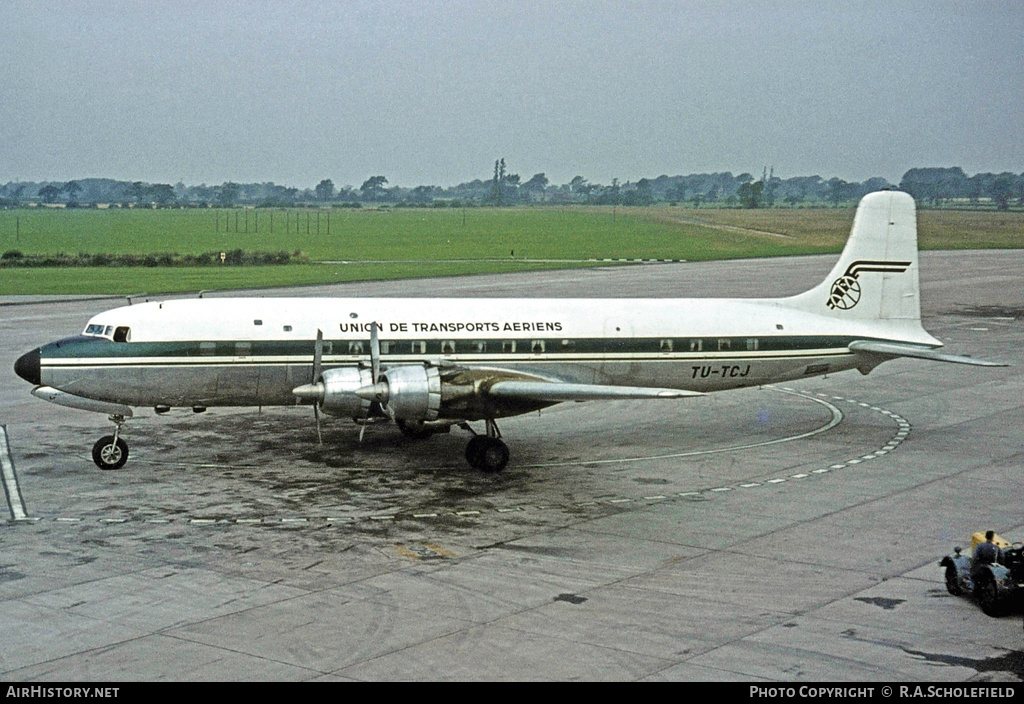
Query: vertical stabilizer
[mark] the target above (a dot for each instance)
(876, 277)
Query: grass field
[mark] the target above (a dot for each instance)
(937, 229)
(402, 243)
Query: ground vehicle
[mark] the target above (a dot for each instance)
(995, 585)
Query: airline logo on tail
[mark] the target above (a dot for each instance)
(845, 293)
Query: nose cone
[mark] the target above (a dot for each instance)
(27, 367)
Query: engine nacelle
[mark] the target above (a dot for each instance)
(339, 398)
(413, 392)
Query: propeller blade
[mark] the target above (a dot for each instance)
(372, 392)
(318, 356)
(374, 352)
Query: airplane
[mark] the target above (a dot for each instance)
(432, 363)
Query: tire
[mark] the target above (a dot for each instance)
(474, 449)
(110, 454)
(953, 581)
(487, 454)
(493, 456)
(988, 597)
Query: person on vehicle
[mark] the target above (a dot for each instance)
(988, 552)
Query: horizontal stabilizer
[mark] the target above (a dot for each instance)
(557, 391)
(899, 349)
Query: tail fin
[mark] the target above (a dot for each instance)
(875, 285)
(876, 277)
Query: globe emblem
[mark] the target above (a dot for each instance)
(845, 293)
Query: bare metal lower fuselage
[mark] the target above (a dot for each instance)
(235, 382)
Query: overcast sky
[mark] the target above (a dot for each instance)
(433, 92)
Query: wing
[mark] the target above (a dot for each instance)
(554, 391)
(902, 349)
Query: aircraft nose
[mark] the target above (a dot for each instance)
(27, 367)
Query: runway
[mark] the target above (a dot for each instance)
(784, 534)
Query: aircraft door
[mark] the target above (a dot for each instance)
(239, 383)
(619, 364)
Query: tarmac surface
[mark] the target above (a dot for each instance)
(784, 534)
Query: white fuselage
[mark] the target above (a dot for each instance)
(254, 351)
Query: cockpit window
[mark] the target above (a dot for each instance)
(119, 334)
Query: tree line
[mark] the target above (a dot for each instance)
(930, 186)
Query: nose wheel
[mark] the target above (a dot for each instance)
(487, 453)
(110, 451)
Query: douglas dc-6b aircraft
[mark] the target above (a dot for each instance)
(430, 363)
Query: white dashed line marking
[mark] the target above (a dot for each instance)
(11, 488)
(698, 495)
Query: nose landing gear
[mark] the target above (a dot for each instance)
(110, 451)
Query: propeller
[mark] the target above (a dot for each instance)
(375, 392)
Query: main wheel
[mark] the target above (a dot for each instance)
(474, 448)
(487, 454)
(109, 453)
(493, 456)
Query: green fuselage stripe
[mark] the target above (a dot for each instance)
(259, 351)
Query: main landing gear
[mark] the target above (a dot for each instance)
(110, 451)
(487, 453)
